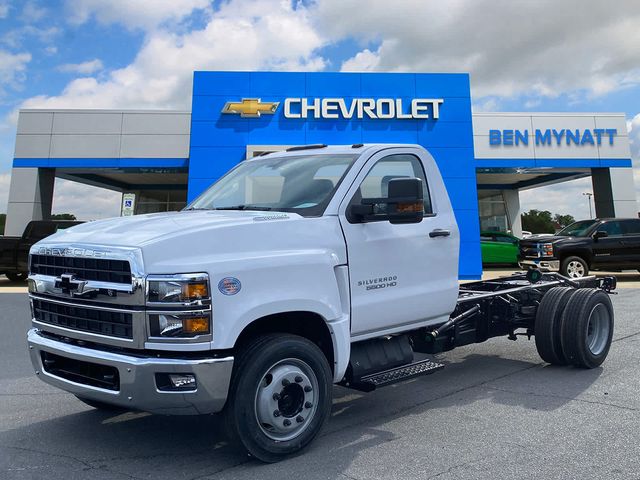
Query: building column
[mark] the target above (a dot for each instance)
(614, 192)
(30, 198)
(512, 203)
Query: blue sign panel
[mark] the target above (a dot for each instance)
(232, 110)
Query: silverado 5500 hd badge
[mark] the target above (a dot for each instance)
(379, 282)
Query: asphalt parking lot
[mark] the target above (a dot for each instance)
(496, 411)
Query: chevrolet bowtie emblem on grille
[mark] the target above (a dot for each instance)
(68, 284)
(251, 107)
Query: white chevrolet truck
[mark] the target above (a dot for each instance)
(295, 271)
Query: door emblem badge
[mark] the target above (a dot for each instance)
(229, 286)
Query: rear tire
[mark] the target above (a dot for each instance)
(17, 276)
(574, 267)
(280, 396)
(98, 405)
(548, 325)
(587, 328)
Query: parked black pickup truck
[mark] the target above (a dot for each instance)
(600, 244)
(14, 251)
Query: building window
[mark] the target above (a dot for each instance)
(493, 212)
(154, 201)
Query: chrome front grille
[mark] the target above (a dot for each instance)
(77, 317)
(97, 294)
(96, 269)
(89, 293)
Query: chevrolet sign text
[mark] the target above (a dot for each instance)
(381, 108)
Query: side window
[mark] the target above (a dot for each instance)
(376, 183)
(612, 228)
(631, 227)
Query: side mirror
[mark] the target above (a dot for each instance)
(600, 234)
(406, 200)
(404, 204)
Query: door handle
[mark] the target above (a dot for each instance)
(439, 233)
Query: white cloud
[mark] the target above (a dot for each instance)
(12, 69)
(84, 68)
(84, 201)
(539, 48)
(145, 14)
(246, 35)
(32, 12)
(16, 37)
(364, 61)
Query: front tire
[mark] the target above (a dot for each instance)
(280, 396)
(587, 328)
(574, 267)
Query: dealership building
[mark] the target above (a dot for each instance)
(162, 159)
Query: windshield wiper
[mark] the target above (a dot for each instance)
(245, 207)
(195, 208)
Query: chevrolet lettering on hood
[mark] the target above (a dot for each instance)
(71, 252)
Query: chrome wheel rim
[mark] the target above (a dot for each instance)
(598, 329)
(575, 269)
(286, 399)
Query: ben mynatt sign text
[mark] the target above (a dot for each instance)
(551, 136)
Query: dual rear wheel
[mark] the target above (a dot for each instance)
(574, 327)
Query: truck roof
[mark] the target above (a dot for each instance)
(335, 149)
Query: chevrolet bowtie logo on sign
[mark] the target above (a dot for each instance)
(340, 108)
(251, 107)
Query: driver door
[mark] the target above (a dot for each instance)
(400, 274)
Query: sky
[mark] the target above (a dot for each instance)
(522, 55)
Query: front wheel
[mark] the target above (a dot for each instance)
(280, 396)
(17, 276)
(574, 267)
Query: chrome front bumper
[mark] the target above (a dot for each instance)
(137, 386)
(542, 264)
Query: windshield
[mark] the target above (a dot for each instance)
(302, 184)
(577, 229)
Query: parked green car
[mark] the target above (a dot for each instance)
(499, 247)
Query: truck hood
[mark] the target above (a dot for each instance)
(535, 239)
(170, 240)
(140, 230)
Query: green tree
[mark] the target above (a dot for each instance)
(537, 221)
(63, 216)
(563, 220)
(3, 219)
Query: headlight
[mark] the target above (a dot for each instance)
(179, 307)
(547, 249)
(179, 324)
(189, 289)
